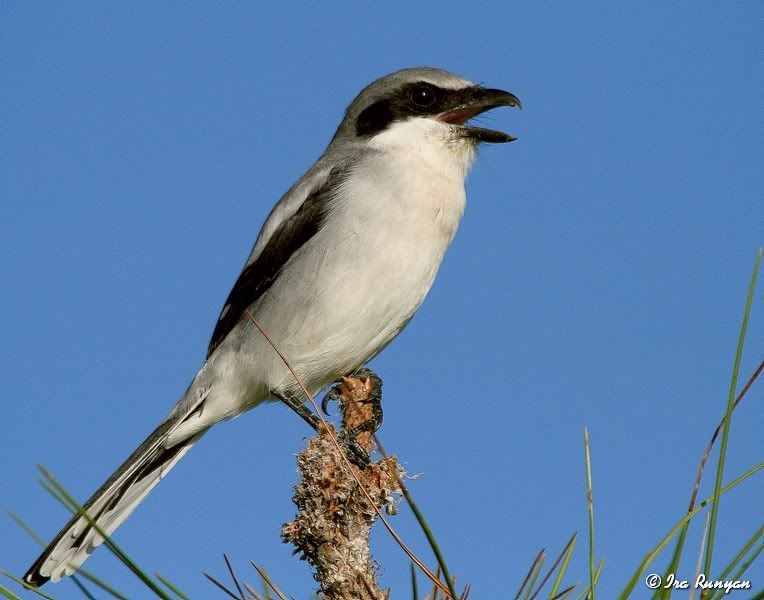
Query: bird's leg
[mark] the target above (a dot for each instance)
(299, 407)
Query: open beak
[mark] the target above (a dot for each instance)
(480, 101)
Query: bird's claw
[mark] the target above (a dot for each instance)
(333, 395)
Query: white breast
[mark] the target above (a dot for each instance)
(358, 281)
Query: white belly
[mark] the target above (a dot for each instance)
(361, 278)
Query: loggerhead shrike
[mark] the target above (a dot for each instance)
(341, 264)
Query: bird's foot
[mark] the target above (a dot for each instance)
(360, 398)
(373, 399)
(336, 394)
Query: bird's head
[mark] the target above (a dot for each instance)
(423, 102)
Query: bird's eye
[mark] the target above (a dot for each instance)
(422, 96)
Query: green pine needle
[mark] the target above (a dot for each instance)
(651, 556)
(728, 417)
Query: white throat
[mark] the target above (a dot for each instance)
(425, 139)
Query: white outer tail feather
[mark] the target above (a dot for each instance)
(64, 555)
(57, 565)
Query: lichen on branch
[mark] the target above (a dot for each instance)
(331, 529)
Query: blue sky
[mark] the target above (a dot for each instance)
(598, 277)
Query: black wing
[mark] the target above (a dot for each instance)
(290, 236)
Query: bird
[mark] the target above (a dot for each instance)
(341, 264)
